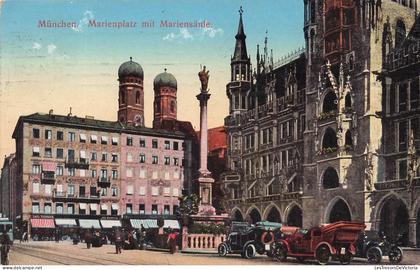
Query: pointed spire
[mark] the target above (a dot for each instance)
(240, 46)
(265, 46)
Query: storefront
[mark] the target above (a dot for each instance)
(42, 228)
(89, 224)
(67, 227)
(153, 224)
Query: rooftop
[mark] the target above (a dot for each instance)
(93, 124)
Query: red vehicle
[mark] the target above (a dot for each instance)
(324, 243)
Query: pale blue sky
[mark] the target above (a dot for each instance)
(44, 69)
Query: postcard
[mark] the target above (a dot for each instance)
(206, 132)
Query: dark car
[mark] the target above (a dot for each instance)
(373, 245)
(98, 239)
(248, 240)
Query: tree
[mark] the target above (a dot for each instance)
(188, 205)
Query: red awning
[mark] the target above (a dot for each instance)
(42, 223)
(48, 166)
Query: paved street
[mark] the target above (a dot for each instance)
(64, 253)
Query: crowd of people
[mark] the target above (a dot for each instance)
(122, 238)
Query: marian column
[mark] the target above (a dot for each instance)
(205, 180)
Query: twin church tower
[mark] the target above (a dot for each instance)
(131, 96)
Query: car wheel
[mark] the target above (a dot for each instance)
(395, 255)
(323, 255)
(346, 258)
(300, 259)
(280, 253)
(374, 255)
(250, 251)
(222, 250)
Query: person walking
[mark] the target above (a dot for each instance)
(118, 241)
(57, 235)
(172, 241)
(88, 238)
(5, 247)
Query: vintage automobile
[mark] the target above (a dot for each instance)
(372, 246)
(249, 240)
(324, 243)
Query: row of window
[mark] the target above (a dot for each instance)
(129, 209)
(403, 128)
(154, 160)
(130, 172)
(267, 163)
(71, 155)
(404, 96)
(155, 191)
(285, 130)
(71, 137)
(59, 171)
(155, 143)
(70, 208)
(103, 173)
(48, 153)
(71, 190)
(83, 138)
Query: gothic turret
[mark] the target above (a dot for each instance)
(237, 90)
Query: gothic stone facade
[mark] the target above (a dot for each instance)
(352, 166)
(265, 136)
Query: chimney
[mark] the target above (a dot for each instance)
(50, 111)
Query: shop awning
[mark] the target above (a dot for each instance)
(82, 206)
(93, 207)
(89, 223)
(104, 207)
(48, 166)
(110, 223)
(174, 224)
(114, 206)
(93, 137)
(42, 223)
(65, 222)
(114, 140)
(152, 223)
(82, 136)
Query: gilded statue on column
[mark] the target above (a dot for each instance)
(204, 79)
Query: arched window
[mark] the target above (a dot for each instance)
(312, 41)
(157, 107)
(237, 216)
(348, 139)
(122, 97)
(329, 103)
(340, 212)
(138, 97)
(273, 215)
(347, 102)
(330, 178)
(312, 7)
(330, 139)
(172, 106)
(351, 62)
(400, 33)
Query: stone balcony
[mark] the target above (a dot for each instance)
(396, 184)
(81, 163)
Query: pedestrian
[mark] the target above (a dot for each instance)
(25, 236)
(88, 238)
(118, 240)
(172, 241)
(57, 235)
(5, 247)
